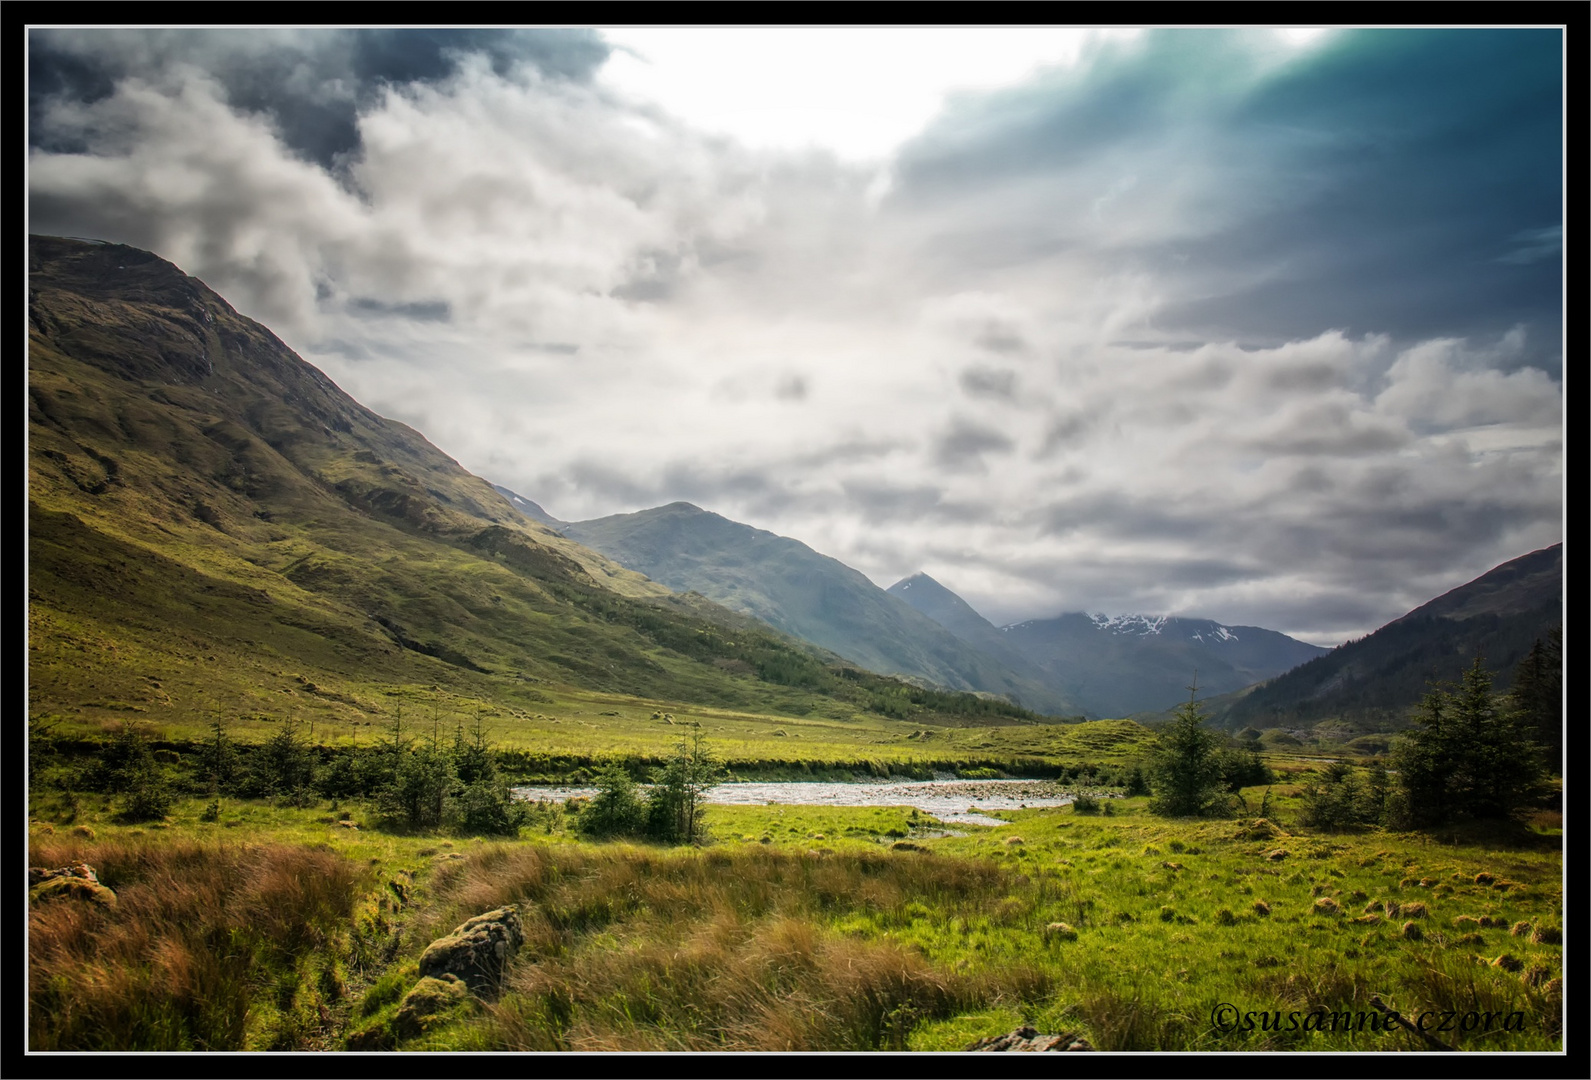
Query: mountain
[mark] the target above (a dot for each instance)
(1137, 663)
(528, 508)
(957, 616)
(1116, 666)
(214, 528)
(795, 589)
(1379, 678)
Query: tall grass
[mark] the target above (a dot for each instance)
(209, 947)
(633, 949)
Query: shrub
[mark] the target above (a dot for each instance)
(674, 806)
(1185, 772)
(616, 809)
(1334, 800)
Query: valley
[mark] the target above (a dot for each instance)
(286, 661)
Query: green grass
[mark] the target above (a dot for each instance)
(807, 928)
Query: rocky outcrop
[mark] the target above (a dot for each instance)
(432, 1001)
(78, 882)
(1029, 1039)
(476, 951)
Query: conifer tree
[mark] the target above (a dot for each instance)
(1185, 771)
(1468, 756)
(1537, 694)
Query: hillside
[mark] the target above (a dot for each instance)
(215, 529)
(811, 596)
(528, 508)
(1377, 679)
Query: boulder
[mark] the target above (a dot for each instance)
(78, 882)
(477, 950)
(431, 1000)
(1029, 1039)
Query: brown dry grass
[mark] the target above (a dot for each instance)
(177, 962)
(633, 949)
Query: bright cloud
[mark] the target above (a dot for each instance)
(1201, 322)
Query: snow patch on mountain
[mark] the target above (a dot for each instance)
(1142, 625)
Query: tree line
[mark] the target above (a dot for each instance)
(410, 781)
(1470, 754)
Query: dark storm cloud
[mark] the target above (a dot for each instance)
(1122, 516)
(963, 446)
(988, 382)
(1066, 429)
(1406, 182)
(882, 501)
(420, 311)
(312, 83)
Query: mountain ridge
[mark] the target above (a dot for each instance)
(802, 592)
(1121, 665)
(1378, 678)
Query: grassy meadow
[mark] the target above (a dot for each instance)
(797, 928)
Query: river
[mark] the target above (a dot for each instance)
(961, 801)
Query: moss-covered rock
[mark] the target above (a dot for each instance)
(432, 1001)
(477, 950)
(78, 882)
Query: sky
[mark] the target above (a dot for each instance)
(1252, 324)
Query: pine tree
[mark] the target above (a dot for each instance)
(1468, 756)
(1185, 771)
(674, 806)
(1538, 696)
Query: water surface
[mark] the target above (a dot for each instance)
(963, 801)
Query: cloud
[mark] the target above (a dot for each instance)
(963, 446)
(310, 84)
(1374, 174)
(980, 381)
(1194, 322)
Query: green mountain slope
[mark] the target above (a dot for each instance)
(789, 586)
(215, 529)
(528, 508)
(1379, 678)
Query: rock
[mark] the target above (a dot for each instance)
(477, 950)
(1259, 829)
(1029, 1039)
(430, 1000)
(78, 882)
